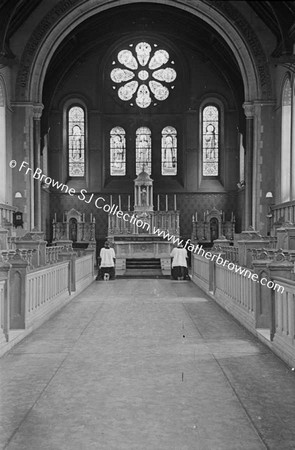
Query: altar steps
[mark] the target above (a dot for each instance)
(143, 268)
(144, 263)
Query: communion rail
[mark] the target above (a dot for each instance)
(268, 313)
(45, 290)
(284, 323)
(30, 296)
(284, 212)
(84, 270)
(6, 214)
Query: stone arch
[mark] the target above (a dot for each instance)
(3, 95)
(66, 15)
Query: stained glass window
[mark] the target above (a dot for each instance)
(210, 140)
(76, 141)
(169, 151)
(143, 75)
(143, 150)
(117, 151)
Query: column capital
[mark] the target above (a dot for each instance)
(34, 109)
(37, 111)
(249, 109)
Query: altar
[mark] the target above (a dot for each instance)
(137, 245)
(74, 228)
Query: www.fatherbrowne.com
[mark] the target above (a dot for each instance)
(199, 250)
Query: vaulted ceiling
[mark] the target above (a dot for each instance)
(99, 32)
(278, 16)
(182, 28)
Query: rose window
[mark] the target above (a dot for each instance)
(143, 74)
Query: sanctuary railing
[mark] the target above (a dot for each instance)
(30, 293)
(262, 297)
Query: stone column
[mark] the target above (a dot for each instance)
(262, 305)
(18, 293)
(5, 275)
(37, 113)
(3, 238)
(71, 257)
(91, 251)
(264, 155)
(249, 113)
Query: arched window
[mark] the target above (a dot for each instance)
(76, 141)
(143, 150)
(169, 151)
(210, 141)
(286, 142)
(117, 151)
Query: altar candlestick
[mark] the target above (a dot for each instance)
(93, 219)
(83, 217)
(193, 218)
(175, 205)
(166, 202)
(158, 201)
(111, 200)
(119, 202)
(196, 216)
(90, 217)
(54, 217)
(128, 202)
(204, 216)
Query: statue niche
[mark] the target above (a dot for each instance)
(73, 229)
(214, 234)
(212, 227)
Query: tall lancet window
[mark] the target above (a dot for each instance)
(210, 140)
(143, 150)
(286, 142)
(118, 151)
(76, 141)
(169, 151)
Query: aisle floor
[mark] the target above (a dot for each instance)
(139, 364)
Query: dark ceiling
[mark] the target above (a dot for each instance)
(101, 31)
(180, 27)
(279, 16)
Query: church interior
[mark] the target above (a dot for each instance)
(148, 123)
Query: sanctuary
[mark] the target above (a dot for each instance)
(138, 249)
